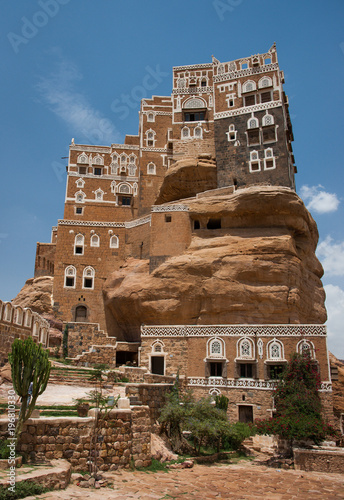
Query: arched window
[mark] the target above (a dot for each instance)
(215, 348)
(124, 189)
(80, 183)
(150, 117)
(265, 82)
(158, 347)
(249, 86)
(253, 123)
(18, 316)
(114, 166)
(98, 160)
(181, 83)
(267, 120)
(305, 346)
(99, 194)
(150, 138)
(83, 158)
(151, 168)
(80, 197)
(95, 240)
(79, 244)
(28, 318)
(185, 133)
(35, 329)
(198, 132)
(245, 349)
(114, 241)
(8, 312)
(70, 275)
(275, 350)
(88, 277)
(232, 133)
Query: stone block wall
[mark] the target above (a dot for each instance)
(45, 258)
(81, 336)
(319, 460)
(151, 395)
(125, 436)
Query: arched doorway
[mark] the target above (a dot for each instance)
(80, 314)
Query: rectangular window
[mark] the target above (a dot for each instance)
(265, 97)
(274, 371)
(125, 201)
(196, 116)
(245, 370)
(269, 164)
(168, 218)
(269, 134)
(98, 171)
(150, 143)
(79, 250)
(78, 210)
(157, 365)
(255, 166)
(249, 100)
(215, 369)
(88, 282)
(82, 170)
(69, 281)
(253, 137)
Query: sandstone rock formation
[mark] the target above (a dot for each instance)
(36, 294)
(187, 177)
(338, 386)
(260, 267)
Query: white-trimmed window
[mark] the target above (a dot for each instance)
(198, 132)
(232, 133)
(269, 160)
(95, 240)
(275, 350)
(123, 162)
(78, 210)
(70, 276)
(230, 100)
(268, 120)
(249, 86)
(114, 241)
(185, 133)
(265, 82)
(216, 348)
(266, 96)
(88, 278)
(254, 161)
(114, 166)
(245, 349)
(99, 194)
(98, 160)
(150, 138)
(80, 183)
(79, 244)
(18, 316)
(83, 158)
(35, 329)
(157, 346)
(151, 117)
(80, 197)
(151, 169)
(28, 318)
(181, 83)
(306, 346)
(124, 188)
(8, 312)
(253, 122)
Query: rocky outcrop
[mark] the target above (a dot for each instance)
(188, 177)
(338, 386)
(259, 268)
(37, 295)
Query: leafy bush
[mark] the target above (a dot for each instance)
(298, 405)
(22, 490)
(221, 402)
(4, 449)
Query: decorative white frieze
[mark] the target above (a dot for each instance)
(242, 383)
(233, 330)
(197, 90)
(245, 72)
(247, 109)
(138, 222)
(193, 66)
(155, 150)
(170, 208)
(64, 222)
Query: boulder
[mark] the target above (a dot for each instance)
(188, 177)
(259, 268)
(37, 295)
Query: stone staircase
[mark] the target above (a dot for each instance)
(69, 375)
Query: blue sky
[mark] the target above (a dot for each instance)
(77, 68)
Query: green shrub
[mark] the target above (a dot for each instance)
(4, 449)
(221, 402)
(22, 490)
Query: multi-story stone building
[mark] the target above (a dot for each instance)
(234, 114)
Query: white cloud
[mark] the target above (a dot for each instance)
(335, 322)
(57, 90)
(319, 200)
(331, 255)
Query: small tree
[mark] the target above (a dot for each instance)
(298, 404)
(65, 342)
(29, 365)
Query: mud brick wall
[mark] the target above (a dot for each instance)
(125, 436)
(45, 258)
(319, 460)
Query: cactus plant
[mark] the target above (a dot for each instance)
(29, 364)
